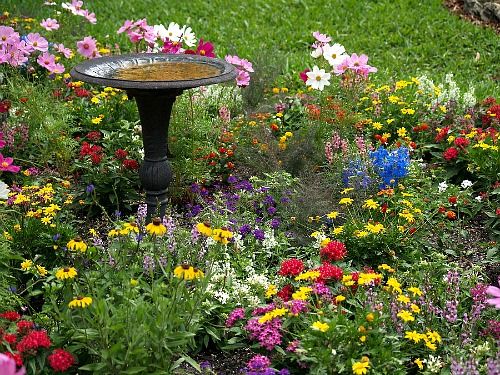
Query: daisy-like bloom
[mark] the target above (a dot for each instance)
(26, 265)
(319, 326)
(174, 32)
(131, 227)
(335, 54)
(35, 41)
(188, 36)
(6, 165)
(370, 204)
(49, 24)
(82, 302)
(419, 363)
(495, 292)
(8, 36)
(361, 368)
(413, 336)
(222, 235)
(188, 272)
(66, 273)
(156, 228)
(61, 49)
(406, 316)
(318, 78)
(77, 244)
(87, 47)
(4, 190)
(346, 201)
(42, 271)
(322, 38)
(416, 291)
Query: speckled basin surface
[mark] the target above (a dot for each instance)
(154, 71)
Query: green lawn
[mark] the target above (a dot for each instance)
(403, 38)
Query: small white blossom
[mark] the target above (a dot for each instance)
(442, 187)
(478, 198)
(4, 190)
(466, 184)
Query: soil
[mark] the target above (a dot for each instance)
(221, 363)
(456, 6)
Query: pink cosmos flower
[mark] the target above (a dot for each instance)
(8, 36)
(75, 7)
(342, 67)
(13, 55)
(90, 16)
(359, 65)
(322, 38)
(6, 165)
(243, 78)
(37, 42)
(61, 49)
(46, 60)
(127, 25)
(8, 366)
(87, 47)
(49, 24)
(495, 292)
(171, 47)
(243, 68)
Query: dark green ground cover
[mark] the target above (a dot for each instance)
(402, 38)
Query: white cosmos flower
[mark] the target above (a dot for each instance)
(160, 31)
(318, 78)
(188, 36)
(317, 52)
(335, 54)
(174, 32)
(466, 184)
(4, 190)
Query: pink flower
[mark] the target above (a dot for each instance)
(303, 74)
(37, 42)
(61, 49)
(8, 36)
(87, 47)
(2, 141)
(171, 47)
(127, 25)
(243, 78)
(6, 165)
(48, 61)
(342, 67)
(90, 16)
(359, 65)
(49, 24)
(75, 7)
(495, 292)
(322, 38)
(243, 68)
(8, 366)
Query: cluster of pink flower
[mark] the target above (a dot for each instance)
(75, 7)
(139, 30)
(6, 163)
(243, 68)
(15, 50)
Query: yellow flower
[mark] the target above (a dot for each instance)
(360, 368)
(17, 227)
(413, 336)
(371, 204)
(325, 242)
(222, 235)
(271, 291)
(93, 232)
(433, 336)
(41, 270)
(204, 229)
(46, 220)
(339, 298)
(319, 326)
(346, 190)
(367, 278)
(387, 268)
(302, 294)
(26, 265)
(394, 284)
(419, 363)
(402, 132)
(187, 272)
(289, 134)
(406, 316)
(276, 90)
(66, 273)
(408, 216)
(131, 227)
(361, 233)
(370, 317)
(430, 345)
(95, 100)
(415, 308)
(272, 314)
(338, 230)
(362, 338)
(77, 244)
(375, 228)
(377, 125)
(113, 233)
(332, 215)
(96, 120)
(82, 302)
(309, 275)
(134, 282)
(403, 299)
(416, 291)
(156, 228)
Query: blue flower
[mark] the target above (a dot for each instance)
(391, 166)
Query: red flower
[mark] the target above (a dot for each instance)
(16, 357)
(443, 133)
(303, 75)
(96, 158)
(497, 211)
(462, 142)
(130, 164)
(291, 267)
(121, 154)
(452, 200)
(333, 251)
(285, 293)
(384, 207)
(451, 215)
(441, 210)
(450, 154)
(82, 93)
(492, 113)
(10, 338)
(24, 326)
(10, 315)
(94, 135)
(34, 340)
(4, 106)
(329, 272)
(60, 360)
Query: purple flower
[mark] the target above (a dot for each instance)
(259, 234)
(269, 200)
(275, 223)
(271, 210)
(244, 185)
(148, 263)
(90, 188)
(245, 229)
(258, 362)
(236, 314)
(232, 180)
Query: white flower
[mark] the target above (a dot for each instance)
(4, 190)
(317, 52)
(188, 36)
(466, 184)
(442, 186)
(318, 78)
(160, 31)
(335, 54)
(478, 198)
(174, 32)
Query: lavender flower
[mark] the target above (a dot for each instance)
(148, 264)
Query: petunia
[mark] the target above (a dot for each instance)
(495, 292)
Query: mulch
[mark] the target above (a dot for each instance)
(456, 7)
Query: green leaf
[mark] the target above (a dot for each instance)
(192, 362)
(134, 370)
(93, 367)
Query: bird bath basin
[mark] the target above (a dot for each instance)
(155, 81)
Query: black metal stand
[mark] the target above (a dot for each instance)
(155, 172)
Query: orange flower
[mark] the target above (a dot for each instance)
(451, 215)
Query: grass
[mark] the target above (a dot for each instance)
(403, 38)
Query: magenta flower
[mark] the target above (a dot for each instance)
(495, 292)
(37, 42)
(2, 141)
(322, 38)
(8, 366)
(127, 25)
(49, 24)
(303, 75)
(14, 55)
(171, 47)
(243, 78)
(243, 68)
(87, 47)
(46, 60)
(6, 165)
(203, 49)
(8, 36)
(359, 65)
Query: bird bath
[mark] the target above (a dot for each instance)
(155, 81)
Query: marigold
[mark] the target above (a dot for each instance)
(82, 302)
(360, 368)
(156, 228)
(66, 273)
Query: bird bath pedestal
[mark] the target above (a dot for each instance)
(155, 81)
